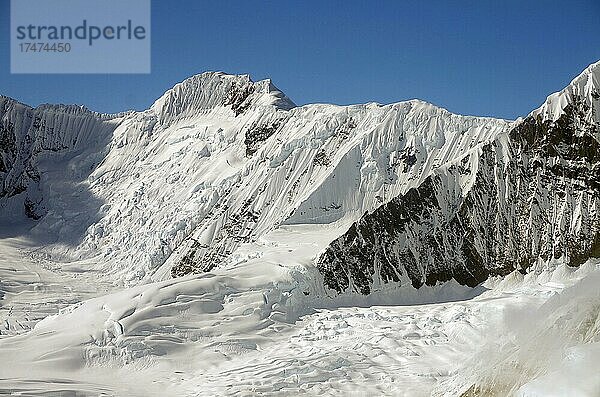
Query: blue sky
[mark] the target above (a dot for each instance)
(490, 58)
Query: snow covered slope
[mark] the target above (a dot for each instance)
(251, 329)
(328, 164)
(531, 195)
(290, 215)
(218, 161)
(32, 141)
(539, 351)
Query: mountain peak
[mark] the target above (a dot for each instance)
(210, 90)
(586, 87)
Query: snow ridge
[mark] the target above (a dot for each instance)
(530, 195)
(210, 90)
(239, 160)
(226, 178)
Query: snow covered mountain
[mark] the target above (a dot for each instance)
(31, 137)
(273, 248)
(217, 161)
(530, 196)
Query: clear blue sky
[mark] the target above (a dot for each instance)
(493, 58)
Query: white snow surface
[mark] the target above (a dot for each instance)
(584, 86)
(87, 305)
(135, 192)
(249, 329)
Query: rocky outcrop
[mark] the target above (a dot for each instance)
(532, 195)
(220, 161)
(29, 135)
(258, 133)
(318, 164)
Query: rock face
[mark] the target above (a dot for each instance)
(219, 161)
(29, 136)
(531, 195)
(319, 164)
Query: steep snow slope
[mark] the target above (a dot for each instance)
(326, 164)
(225, 174)
(90, 177)
(34, 142)
(219, 160)
(533, 194)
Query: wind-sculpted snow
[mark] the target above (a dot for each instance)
(92, 178)
(205, 92)
(338, 248)
(220, 160)
(31, 140)
(530, 195)
(326, 163)
(547, 350)
(261, 327)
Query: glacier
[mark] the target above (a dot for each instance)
(228, 182)
(228, 242)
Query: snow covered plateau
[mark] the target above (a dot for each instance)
(228, 242)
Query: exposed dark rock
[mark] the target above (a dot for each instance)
(346, 128)
(8, 152)
(257, 134)
(33, 209)
(237, 97)
(187, 264)
(519, 209)
(321, 159)
(26, 133)
(408, 158)
(236, 228)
